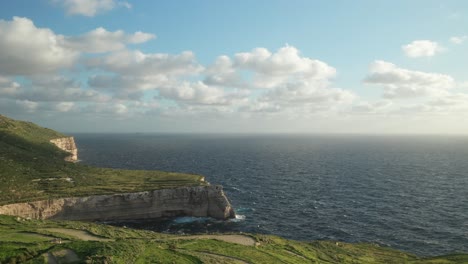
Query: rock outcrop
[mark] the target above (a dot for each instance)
(67, 144)
(201, 201)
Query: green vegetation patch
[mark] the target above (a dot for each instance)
(27, 130)
(32, 168)
(24, 241)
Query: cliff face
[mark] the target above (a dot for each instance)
(67, 144)
(202, 201)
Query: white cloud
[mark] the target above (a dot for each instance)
(454, 101)
(295, 84)
(134, 72)
(120, 109)
(273, 69)
(26, 49)
(375, 107)
(200, 93)
(261, 107)
(224, 73)
(140, 37)
(27, 105)
(403, 83)
(50, 89)
(100, 40)
(137, 63)
(422, 48)
(8, 87)
(90, 8)
(458, 39)
(64, 106)
(303, 98)
(307, 92)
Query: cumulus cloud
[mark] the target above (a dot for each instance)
(127, 87)
(133, 72)
(8, 87)
(90, 8)
(27, 105)
(137, 63)
(200, 93)
(129, 81)
(454, 101)
(302, 98)
(223, 72)
(49, 89)
(26, 49)
(268, 70)
(307, 92)
(273, 69)
(100, 40)
(140, 37)
(402, 83)
(458, 39)
(421, 48)
(377, 107)
(64, 106)
(291, 82)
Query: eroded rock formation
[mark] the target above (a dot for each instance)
(67, 144)
(202, 201)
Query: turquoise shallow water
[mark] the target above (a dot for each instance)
(407, 192)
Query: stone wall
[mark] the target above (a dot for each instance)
(67, 144)
(201, 201)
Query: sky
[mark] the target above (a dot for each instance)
(186, 66)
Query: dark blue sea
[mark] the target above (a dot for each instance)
(407, 192)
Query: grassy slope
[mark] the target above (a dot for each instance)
(31, 168)
(27, 241)
(28, 162)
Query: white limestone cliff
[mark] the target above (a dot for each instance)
(200, 201)
(67, 144)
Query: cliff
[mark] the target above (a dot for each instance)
(67, 144)
(37, 183)
(200, 201)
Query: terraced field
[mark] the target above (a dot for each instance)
(36, 241)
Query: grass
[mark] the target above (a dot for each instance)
(28, 240)
(32, 168)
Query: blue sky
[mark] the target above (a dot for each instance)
(236, 66)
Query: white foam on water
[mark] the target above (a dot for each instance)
(238, 218)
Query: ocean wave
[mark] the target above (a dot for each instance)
(238, 218)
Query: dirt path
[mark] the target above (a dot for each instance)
(237, 239)
(80, 234)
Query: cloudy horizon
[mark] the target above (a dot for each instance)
(118, 66)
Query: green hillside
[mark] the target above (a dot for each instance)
(31, 241)
(27, 130)
(32, 168)
(23, 241)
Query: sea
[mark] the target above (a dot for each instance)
(406, 192)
